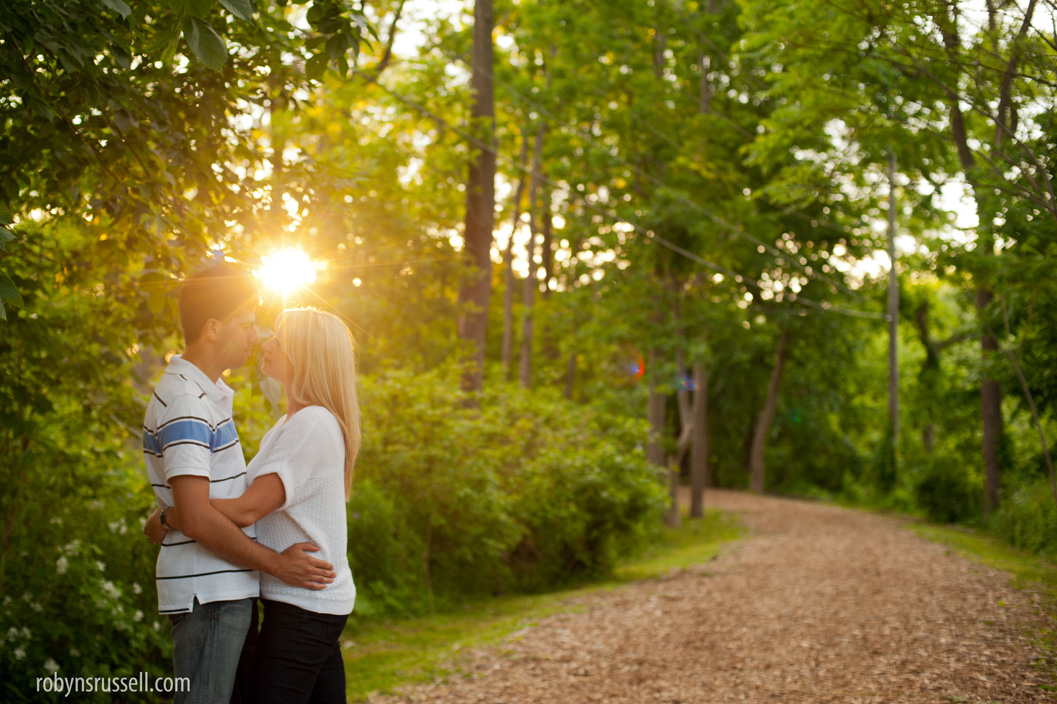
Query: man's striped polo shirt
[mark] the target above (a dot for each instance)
(189, 430)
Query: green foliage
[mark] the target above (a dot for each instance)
(384, 554)
(884, 467)
(105, 117)
(76, 575)
(529, 493)
(947, 493)
(1027, 518)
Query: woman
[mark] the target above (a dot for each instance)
(300, 480)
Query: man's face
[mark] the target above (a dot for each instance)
(236, 337)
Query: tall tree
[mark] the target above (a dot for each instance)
(476, 291)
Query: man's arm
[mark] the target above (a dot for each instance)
(210, 529)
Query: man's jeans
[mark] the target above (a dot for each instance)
(207, 644)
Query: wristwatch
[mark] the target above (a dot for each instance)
(162, 518)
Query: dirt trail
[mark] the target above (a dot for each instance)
(819, 604)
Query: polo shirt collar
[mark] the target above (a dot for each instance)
(217, 393)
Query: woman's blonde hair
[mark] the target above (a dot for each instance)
(322, 351)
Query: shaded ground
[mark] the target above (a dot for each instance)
(819, 604)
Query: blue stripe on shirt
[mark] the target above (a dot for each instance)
(150, 443)
(186, 431)
(224, 436)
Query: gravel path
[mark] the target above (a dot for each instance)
(819, 604)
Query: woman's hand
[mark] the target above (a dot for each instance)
(153, 528)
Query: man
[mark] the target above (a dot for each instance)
(207, 572)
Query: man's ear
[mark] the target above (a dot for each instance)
(211, 330)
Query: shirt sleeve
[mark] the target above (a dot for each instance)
(185, 438)
(303, 449)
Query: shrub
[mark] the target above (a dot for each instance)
(76, 575)
(524, 494)
(947, 493)
(1027, 517)
(383, 553)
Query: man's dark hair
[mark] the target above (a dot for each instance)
(217, 292)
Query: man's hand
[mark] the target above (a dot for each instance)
(153, 528)
(299, 569)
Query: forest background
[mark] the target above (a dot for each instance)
(589, 251)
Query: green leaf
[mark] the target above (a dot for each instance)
(119, 7)
(337, 45)
(243, 9)
(200, 8)
(6, 216)
(122, 121)
(121, 57)
(316, 66)
(156, 303)
(206, 44)
(8, 290)
(316, 12)
(5, 236)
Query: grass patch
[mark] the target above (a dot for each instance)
(380, 656)
(1026, 570)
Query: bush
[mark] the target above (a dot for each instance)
(384, 554)
(1027, 518)
(526, 493)
(76, 575)
(947, 493)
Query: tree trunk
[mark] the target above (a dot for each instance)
(763, 424)
(655, 415)
(699, 449)
(928, 375)
(508, 264)
(570, 284)
(525, 375)
(475, 292)
(531, 281)
(549, 339)
(672, 518)
(991, 412)
(893, 315)
(570, 376)
(547, 244)
(990, 390)
(682, 397)
(655, 454)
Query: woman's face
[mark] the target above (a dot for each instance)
(275, 363)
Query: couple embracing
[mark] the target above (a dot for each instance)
(230, 532)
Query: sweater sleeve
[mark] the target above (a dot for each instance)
(305, 447)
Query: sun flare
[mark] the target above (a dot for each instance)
(287, 270)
